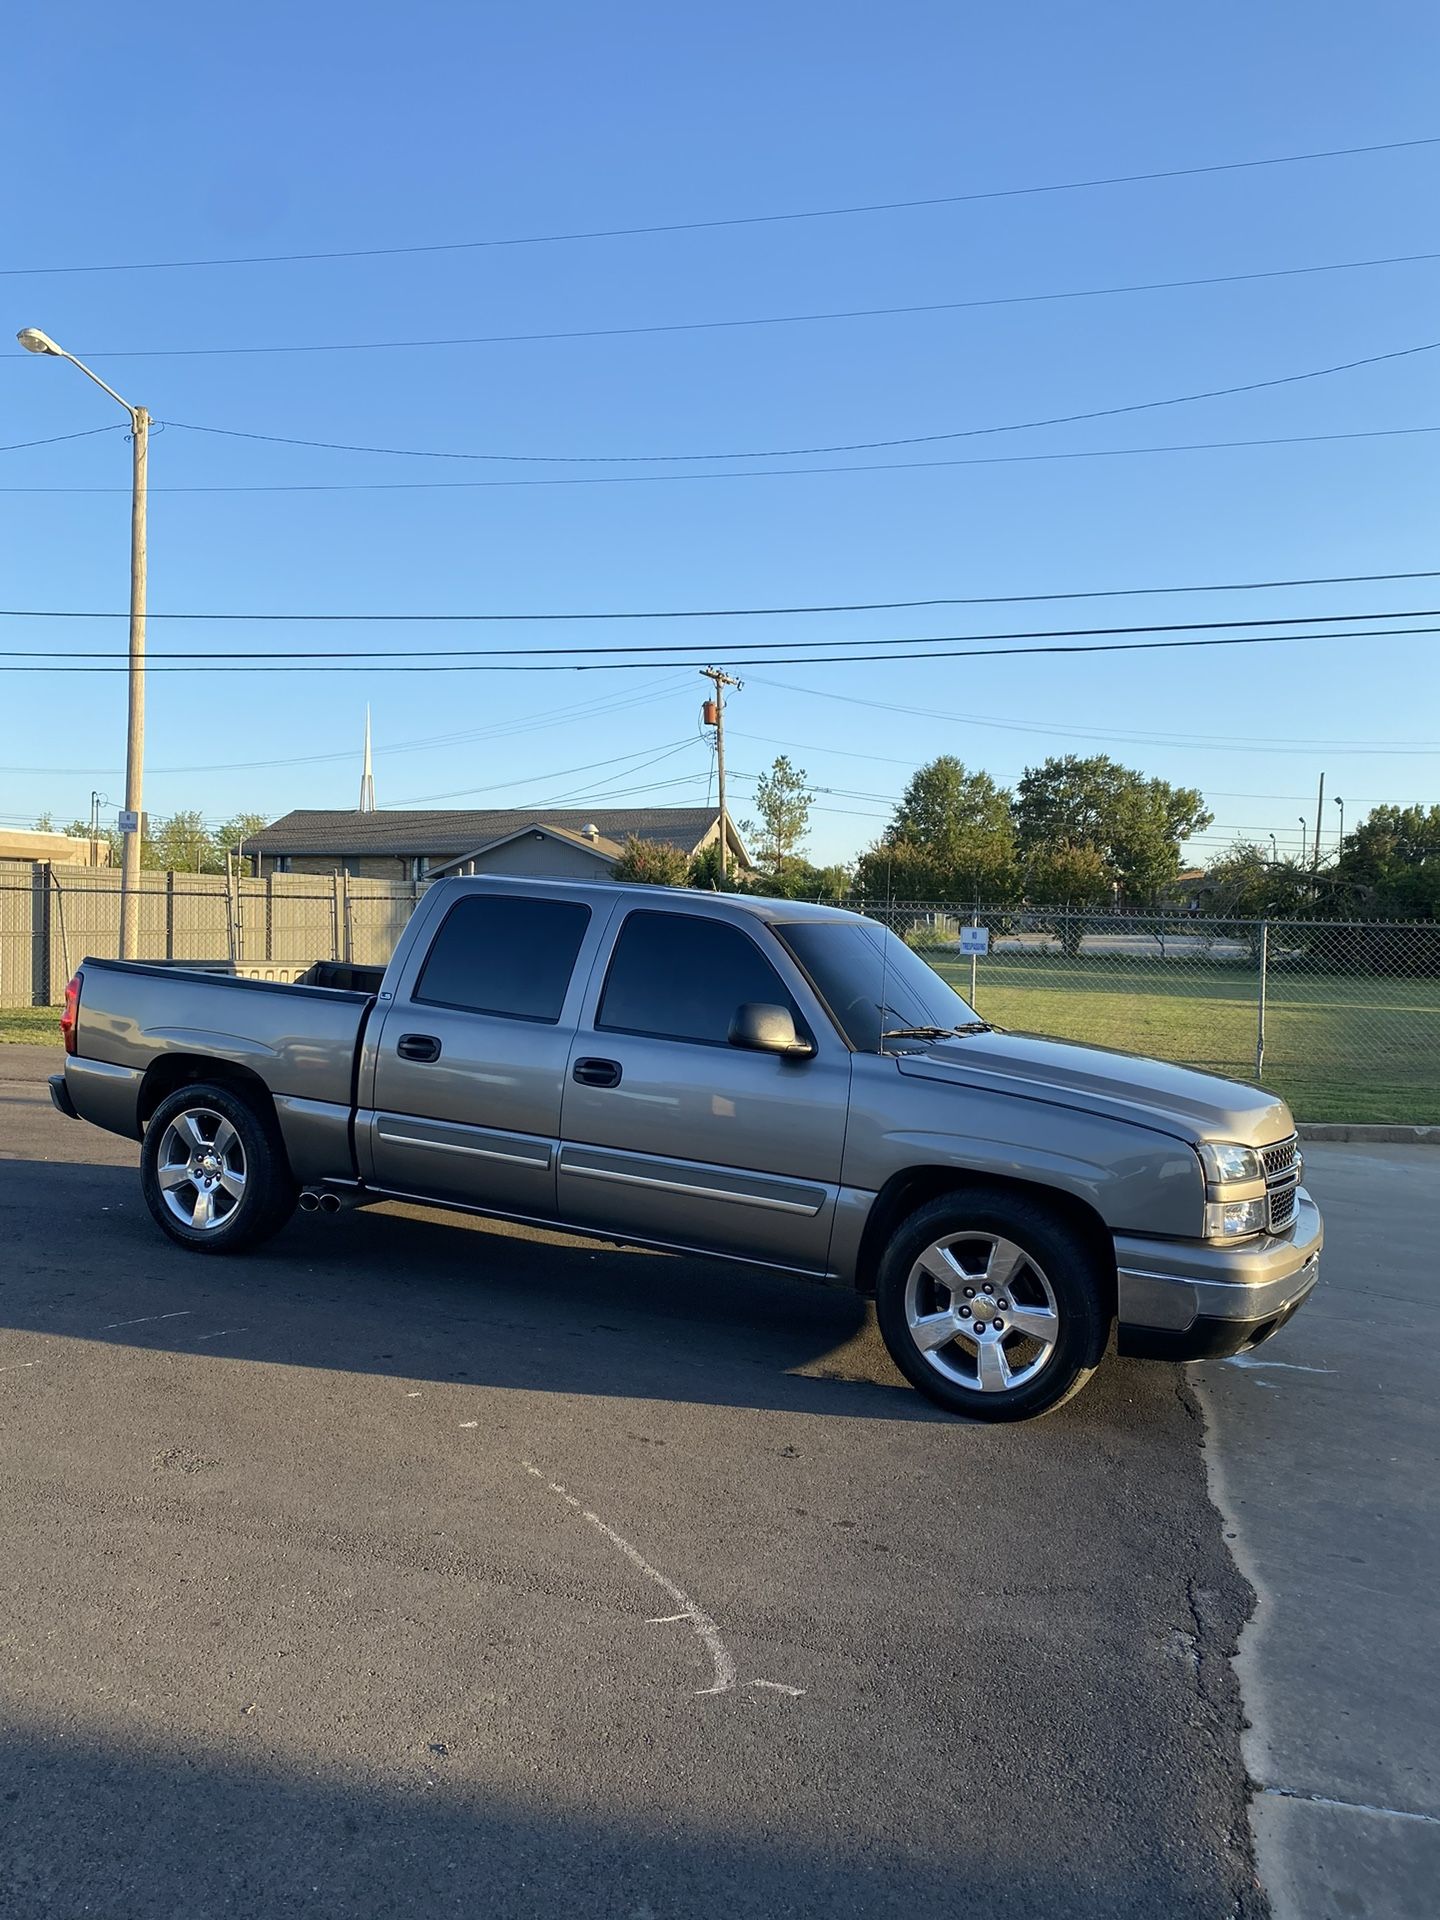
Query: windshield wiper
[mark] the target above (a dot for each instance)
(935, 1033)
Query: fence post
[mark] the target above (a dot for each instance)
(40, 968)
(974, 963)
(1260, 1008)
(335, 915)
(170, 913)
(53, 881)
(349, 925)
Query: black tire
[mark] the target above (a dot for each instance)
(1059, 1287)
(243, 1173)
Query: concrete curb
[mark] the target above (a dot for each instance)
(1360, 1135)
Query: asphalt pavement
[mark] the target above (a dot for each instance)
(418, 1566)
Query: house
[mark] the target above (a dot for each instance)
(568, 843)
(56, 849)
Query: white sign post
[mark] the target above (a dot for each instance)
(129, 820)
(974, 941)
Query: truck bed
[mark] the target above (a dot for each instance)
(301, 1039)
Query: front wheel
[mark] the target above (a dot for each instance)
(213, 1171)
(992, 1305)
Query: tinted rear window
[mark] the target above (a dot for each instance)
(505, 956)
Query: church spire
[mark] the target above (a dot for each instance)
(367, 777)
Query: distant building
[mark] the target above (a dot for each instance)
(562, 843)
(58, 849)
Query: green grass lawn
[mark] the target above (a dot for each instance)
(38, 1025)
(1336, 1047)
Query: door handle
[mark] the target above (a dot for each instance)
(597, 1073)
(418, 1046)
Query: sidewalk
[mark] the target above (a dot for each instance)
(1324, 1449)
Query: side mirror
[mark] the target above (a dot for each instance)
(765, 1029)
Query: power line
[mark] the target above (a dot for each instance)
(752, 613)
(962, 719)
(754, 473)
(492, 665)
(703, 647)
(732, 220)
(841, 446)
(53, 439)
(649, 691)
(760, 320)
(1122, 738)
(560, 773)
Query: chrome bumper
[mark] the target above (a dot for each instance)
(1194, 1299)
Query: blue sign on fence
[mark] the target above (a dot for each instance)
(974, 939)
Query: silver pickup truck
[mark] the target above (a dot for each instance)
(781, 1084)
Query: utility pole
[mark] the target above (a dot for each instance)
(713, 715)
(135, 716)
(1319, 810)
(132, 819)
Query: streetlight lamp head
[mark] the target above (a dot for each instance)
(34, 341)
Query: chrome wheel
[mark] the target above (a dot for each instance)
(201, 1169)
(981, 1312)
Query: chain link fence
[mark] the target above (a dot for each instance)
(1342, 1019)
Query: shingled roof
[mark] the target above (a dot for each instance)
(440, 833)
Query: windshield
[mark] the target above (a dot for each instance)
(871, 981)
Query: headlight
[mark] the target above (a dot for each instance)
(1226, 1165)
(1234, 1219)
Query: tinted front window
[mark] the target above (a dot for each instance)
(870, 980)
(499, 955)
(682, 976)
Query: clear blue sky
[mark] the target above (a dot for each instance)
(176, 132)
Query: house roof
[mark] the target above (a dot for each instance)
(441, 833)
(598, 844)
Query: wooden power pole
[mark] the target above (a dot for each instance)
(1319, 809)
(714, 716)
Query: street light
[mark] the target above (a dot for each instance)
(1274, 852)
(1302, 839)
(1341, 805)
(34, 341)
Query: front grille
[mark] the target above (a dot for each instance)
(1282, 1178)
(1279, 1159)
(1282, 1209)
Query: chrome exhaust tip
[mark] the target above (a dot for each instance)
(309, 1201)
(330, 1203)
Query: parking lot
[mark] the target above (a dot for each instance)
(421, 1567)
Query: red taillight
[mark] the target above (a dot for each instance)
(70, 1017)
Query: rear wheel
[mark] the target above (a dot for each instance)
(992, 1305)
(213, 1171)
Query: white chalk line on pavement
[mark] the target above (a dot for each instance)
(726, 1673)
(1349, 1806)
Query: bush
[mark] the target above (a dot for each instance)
(652, 863)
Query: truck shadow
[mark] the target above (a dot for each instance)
(406, 1292)
(462, 1833)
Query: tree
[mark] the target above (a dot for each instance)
(1248, 883)
(181, 842)
(45, 824)
(236, 834)
(952, 838)
(652, 863)
(802, 881)
(1389, 867)
(782, 800)
(1134, 824)
(107, 837)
